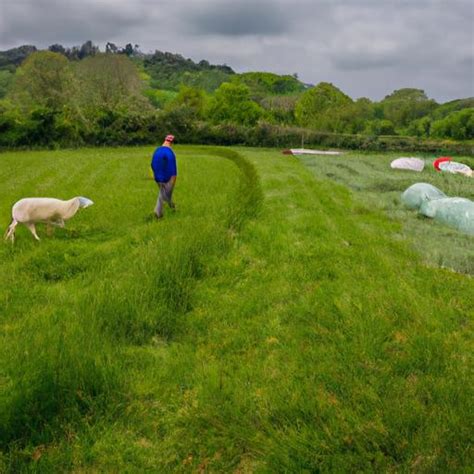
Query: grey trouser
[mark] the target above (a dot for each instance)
(165, 195)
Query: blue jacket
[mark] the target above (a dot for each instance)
(164, 164)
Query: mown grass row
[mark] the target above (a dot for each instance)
(71, 307)
(377, 186)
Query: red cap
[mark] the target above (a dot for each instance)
(169, 138)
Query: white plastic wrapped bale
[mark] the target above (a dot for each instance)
(408, 163)
(307, 151)
(30, 211)
(456, 212)
(455, 167)
(418, 193)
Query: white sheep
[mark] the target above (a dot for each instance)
(30, 211)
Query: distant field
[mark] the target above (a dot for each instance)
(277, 322)
(375, 185)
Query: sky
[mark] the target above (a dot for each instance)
(367, 48)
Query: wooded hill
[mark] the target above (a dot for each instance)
(93, 92)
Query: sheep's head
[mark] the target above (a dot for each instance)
(84, 202)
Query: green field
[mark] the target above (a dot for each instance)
(277, 322)
(375, 185)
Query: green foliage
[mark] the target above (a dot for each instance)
(6, 80)
(280, 108)
(316, 104)
(192, 98)
(380, 127)
(87, 99)
(265, 134)
(262, 84)
(169, 71)
(352, 117)
(12, 58)
(457, 125)
(45, 79)
(405, 105)
(207, 80)
(109, 82)
(231, 103)
(159, 98)
(453, 106)
(420, 127)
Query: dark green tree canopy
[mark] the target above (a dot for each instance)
(232, 104)
(317, 101)
(44, 79)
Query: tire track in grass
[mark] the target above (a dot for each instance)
(164, 294)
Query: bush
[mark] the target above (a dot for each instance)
(114, 128)
(457, 125)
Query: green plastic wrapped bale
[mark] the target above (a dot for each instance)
(456, 212)
(418, 193)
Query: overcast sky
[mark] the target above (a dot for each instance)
(367, 48)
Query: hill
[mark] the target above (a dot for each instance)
(167, 71)
(212, 94)
(12, 58)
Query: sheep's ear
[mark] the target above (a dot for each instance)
(84, 202)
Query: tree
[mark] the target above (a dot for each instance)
(12, 58)
(420, 127)
(130, 50)
(191, 98)
(405, 105)
(281, 108)
(110, 82)
(44, 79)
(111, 48)
(380, 127)
(457, 125)
(231, 104)
(351, 117)
(57, 48)
(88, 49)
(316, 105)
(6, 80)
(262, 84)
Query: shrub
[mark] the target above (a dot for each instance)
(457, 125)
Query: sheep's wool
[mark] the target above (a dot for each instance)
(44, 209)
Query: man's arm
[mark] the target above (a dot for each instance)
(172, 168)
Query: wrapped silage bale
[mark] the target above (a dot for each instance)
(455, 168)
(408, 163)
(456, 212)
(418, 193)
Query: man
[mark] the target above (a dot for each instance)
(163, 165)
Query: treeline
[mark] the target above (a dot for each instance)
(82, 96)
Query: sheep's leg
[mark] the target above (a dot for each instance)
(10, 232)
(49, 228)
(32, 228)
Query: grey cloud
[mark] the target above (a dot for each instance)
(50, 21)
(365, 47)
(237, 19)
(356, 63)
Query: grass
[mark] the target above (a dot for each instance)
(273, 324)
(375, 185)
